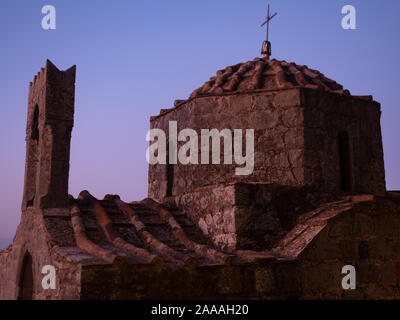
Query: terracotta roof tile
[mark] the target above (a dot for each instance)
(101, 231)
(147, 232)
(266, 74)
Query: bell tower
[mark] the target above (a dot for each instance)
(48, 135)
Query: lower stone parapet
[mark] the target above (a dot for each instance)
(364, 235)
(306, 263)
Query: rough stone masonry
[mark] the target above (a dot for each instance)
(315, 202)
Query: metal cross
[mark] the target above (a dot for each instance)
(269, 18)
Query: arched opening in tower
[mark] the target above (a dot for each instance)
(344, 162)
(26, 279)
(35, 124)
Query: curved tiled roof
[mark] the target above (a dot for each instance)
(146, 232)
(262, 73)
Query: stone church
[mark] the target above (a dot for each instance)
(315, 202)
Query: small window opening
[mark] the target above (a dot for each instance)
(35, 124)
(344, 162)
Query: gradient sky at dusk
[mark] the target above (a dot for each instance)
(136, 57)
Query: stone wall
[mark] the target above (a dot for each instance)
(325, 116)
(32, 237)
(213, 209)
(251, 216)
(276, 117)
(366, 236)
(296, 140)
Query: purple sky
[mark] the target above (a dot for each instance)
(136, 57)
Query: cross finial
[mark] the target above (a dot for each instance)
(266, 48)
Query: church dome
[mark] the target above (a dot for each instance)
(262, 74)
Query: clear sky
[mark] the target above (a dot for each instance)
(136, 57)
